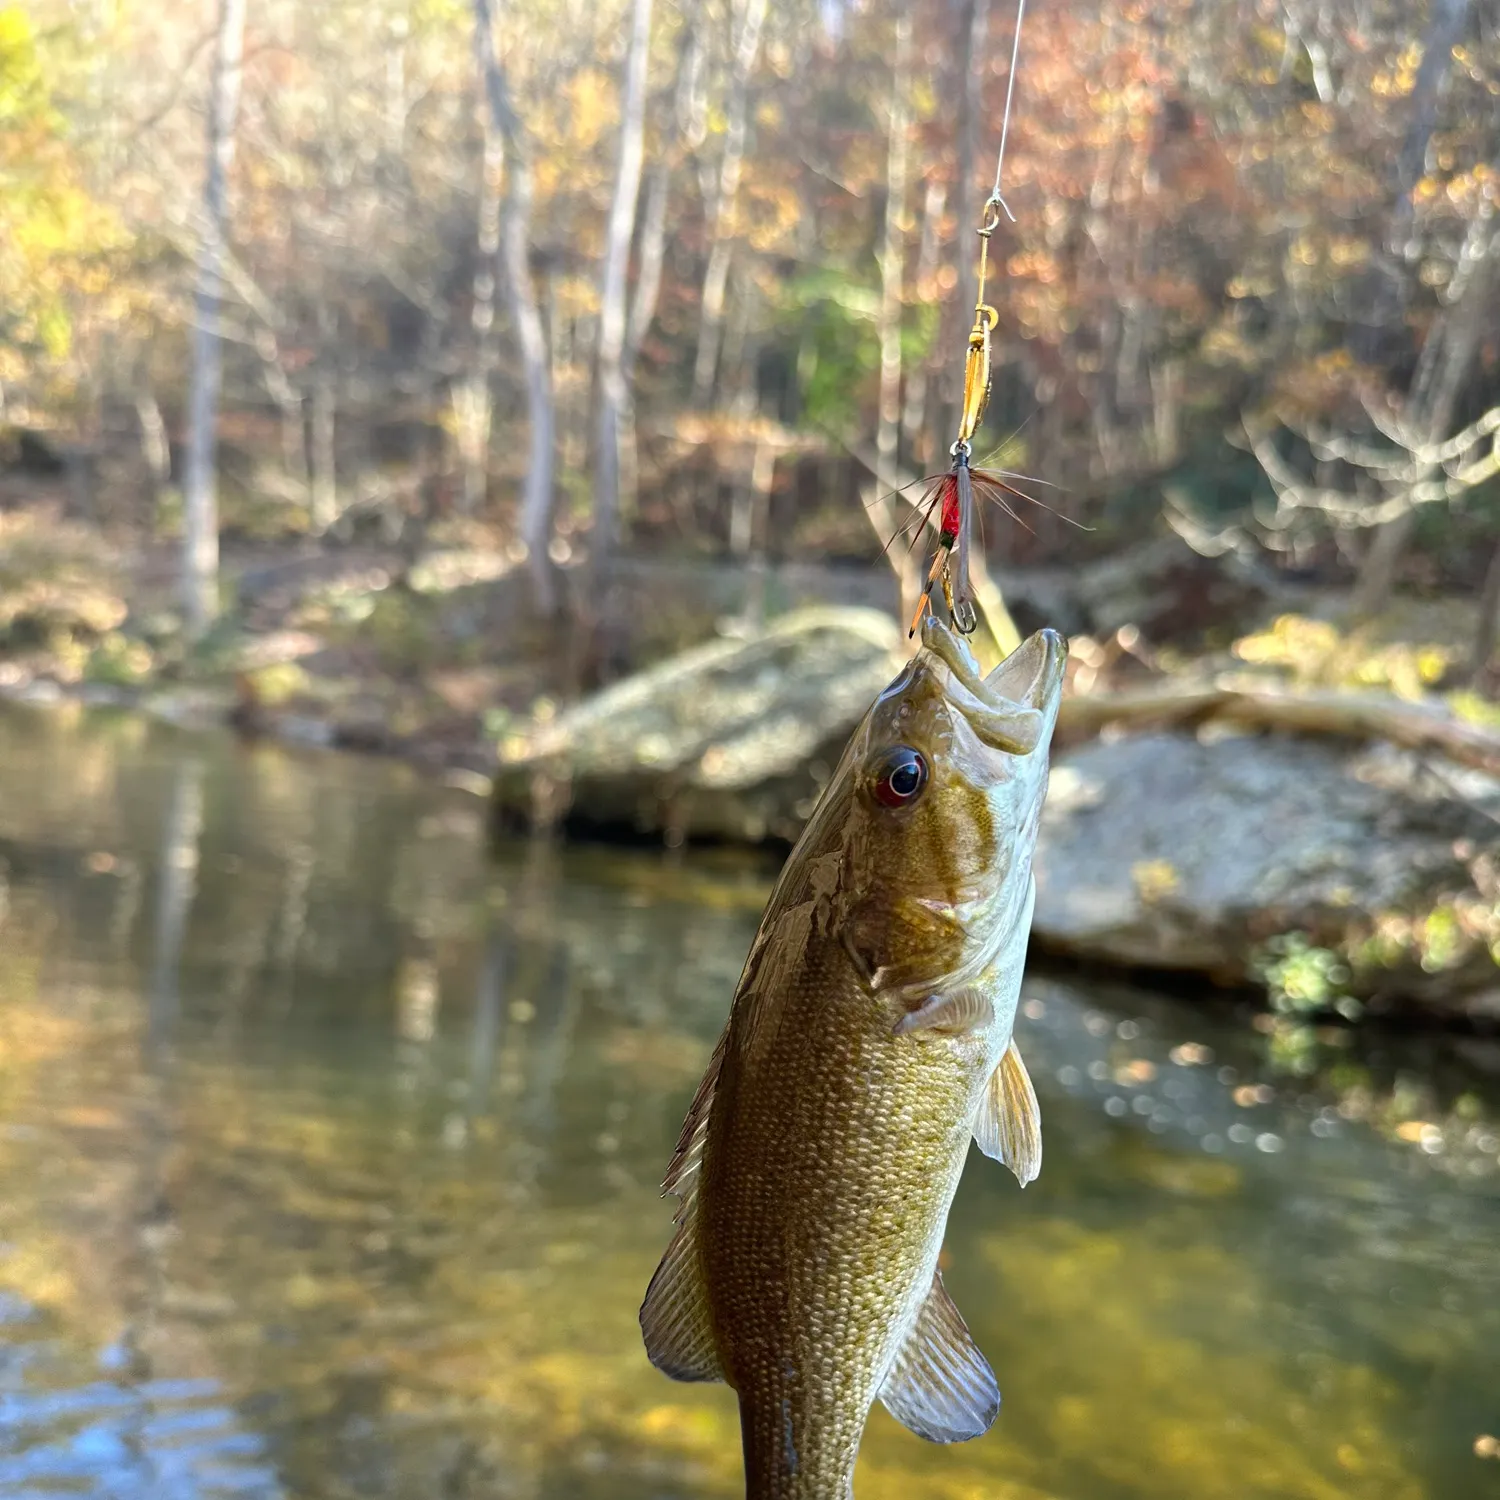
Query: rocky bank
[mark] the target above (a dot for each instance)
(1330, 870)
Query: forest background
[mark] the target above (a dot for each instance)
(313, 312)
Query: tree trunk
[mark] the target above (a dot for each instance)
(536, 500)
(1443, 32)
(155, 449)
(1489, 620)
(325, 501)
(200, 522)
(653, 241)
(1447, 358)
(884, 511)
(473, 398)
(892, 258)
(289, 405)
(914, 411)
(1387, 291)
(651, 256)
(1377, 573)
(716, 276)
(1166, 406)
(972, 47)
(613, 387)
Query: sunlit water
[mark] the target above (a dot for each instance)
(329, 1152)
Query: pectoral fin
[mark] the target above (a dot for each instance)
(941, 1386)
(1009, 1124)
(963, 1010)
(674, 1317)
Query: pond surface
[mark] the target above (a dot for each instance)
(329, 1154)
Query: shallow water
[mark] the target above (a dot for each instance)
(329, 1151)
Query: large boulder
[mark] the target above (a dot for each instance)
(733, 740)
(1174, 851)
(1292, 860)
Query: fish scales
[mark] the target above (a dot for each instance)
(855, 1158)
(869, 1038)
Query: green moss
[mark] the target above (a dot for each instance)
(1300, 977)
(1316, 653)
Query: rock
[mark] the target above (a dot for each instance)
(1164, 850)
(1170, 852)
(732, 740)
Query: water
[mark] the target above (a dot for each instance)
(329, 1151)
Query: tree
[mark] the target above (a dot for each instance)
(200, 544)
(613, 396)
(750, 16)
(536, 500)
(886, 516)
(55, 239)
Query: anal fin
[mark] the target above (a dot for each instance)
(1008, 1127)
(675, 1317)
(941, 1386)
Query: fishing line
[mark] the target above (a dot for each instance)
(951, 495)
(1010, 85)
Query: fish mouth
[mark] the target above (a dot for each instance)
(1015, 707)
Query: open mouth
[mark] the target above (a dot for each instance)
(1013, 708)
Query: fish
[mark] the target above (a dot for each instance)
(869, 1038)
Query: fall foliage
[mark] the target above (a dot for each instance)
(1249, 281)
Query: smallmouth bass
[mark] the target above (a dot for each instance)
(869, 1038)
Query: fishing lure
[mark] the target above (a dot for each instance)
(951, 495)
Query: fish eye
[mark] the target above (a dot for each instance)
(900, 776)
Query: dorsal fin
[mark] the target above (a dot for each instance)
(687, 1155)
(941, 1386)
(674, 1316)
(1008, 1127)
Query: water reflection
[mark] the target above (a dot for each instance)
(176, 881)
(328, 1164)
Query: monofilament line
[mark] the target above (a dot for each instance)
(1010, 87)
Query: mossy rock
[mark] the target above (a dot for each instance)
(1170, 852)
(732, 740)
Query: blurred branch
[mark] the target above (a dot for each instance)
(1404, 473)
(1412, 726)
(150, 121)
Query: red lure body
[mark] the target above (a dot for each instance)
(948, 520)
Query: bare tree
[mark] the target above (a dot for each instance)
(613, 390)
(1489, 619)
(972, 44)
(1390, 286)
(1414, 459)
(885, 515)
(914, 408)
(200, 570)
(324, 477)
(1387, 291)
(751, 20)
(473, 404)
(653, 239)
(515, 255)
